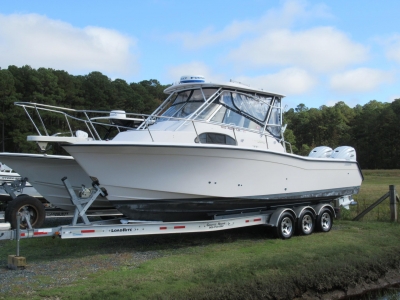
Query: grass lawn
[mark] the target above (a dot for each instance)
(241, 263)
(376, 184)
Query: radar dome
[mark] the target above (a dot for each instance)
(192, 78)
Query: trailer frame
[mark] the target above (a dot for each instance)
(283, 219)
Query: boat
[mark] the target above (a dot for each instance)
(45, 172)
(10, 177)
(209, 149)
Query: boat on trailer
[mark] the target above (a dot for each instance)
(9, 176)
(45, 172)
(210, 149)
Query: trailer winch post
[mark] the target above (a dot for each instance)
(81, 204)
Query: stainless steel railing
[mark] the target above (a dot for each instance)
(95, 118)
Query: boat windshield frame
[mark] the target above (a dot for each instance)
(274, 103)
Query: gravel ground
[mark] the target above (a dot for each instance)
(64, 271)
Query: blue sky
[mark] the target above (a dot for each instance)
(314, 52)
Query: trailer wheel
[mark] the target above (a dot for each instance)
(32, 206)
(306, 223)
(285, 228)
(325, 221)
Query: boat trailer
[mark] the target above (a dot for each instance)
(285, 220)
(302, 219)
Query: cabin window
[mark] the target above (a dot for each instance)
(188, 102)
(215, 138)
(172, 110)
(251, 106)
(248, 105)
(206, 113)
(182, 97)
(228, 116)
(188, 109)
(274, 122)
(219, 116)
(234, 118)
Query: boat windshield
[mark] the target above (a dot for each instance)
(187, 102)
(243, 110)
(274, 121)
(231, 107)
(231, 117)
(252, 107)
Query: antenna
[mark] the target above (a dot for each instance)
(234, 81)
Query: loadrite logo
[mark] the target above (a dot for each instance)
(121, 229)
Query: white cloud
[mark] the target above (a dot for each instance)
(322, 49)
(392, 98)
(291, 81)
(194, 68)
(393, 48)
(331, 102)
(360, 80)
(290, 12)
(35, 40)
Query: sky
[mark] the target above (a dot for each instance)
(313, 52)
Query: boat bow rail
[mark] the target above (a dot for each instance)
(77, 125)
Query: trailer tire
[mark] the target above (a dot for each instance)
(25, 203)
(306, 223)
(325, 220)
(285, 226)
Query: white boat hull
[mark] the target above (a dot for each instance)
(8, 176)
(44, 172)
(27, 190)
(156, 180)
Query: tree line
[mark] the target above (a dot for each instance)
(372, 129)
(94, 91)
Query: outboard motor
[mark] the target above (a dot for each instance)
(344, 152)
(321, 152)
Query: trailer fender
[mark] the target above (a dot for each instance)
(273, 221)
(299, 210)
(320, 207)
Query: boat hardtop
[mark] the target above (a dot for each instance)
(227, 85)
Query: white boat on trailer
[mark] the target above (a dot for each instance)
(212, 149)
(9, 176)
(46, 171)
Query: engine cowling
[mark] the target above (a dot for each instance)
(321, 152)
(344, 152)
